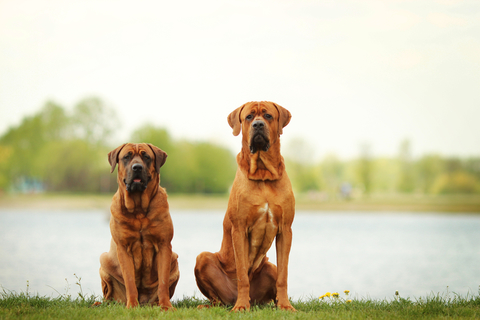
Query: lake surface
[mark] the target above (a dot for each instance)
(370, 254)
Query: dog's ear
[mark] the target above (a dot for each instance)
(234, 120)
(284, 117)
(160, 156)
(113, 156)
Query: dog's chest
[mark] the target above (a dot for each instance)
(139, 223)
(263, 226)
(144, 247)
(143, 233)
(262, 217)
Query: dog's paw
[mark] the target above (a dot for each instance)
(132, 304)
(287, 307)
(239, 306)
(166, 306)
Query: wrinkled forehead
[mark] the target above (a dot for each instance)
(136, 148)
(259, 108)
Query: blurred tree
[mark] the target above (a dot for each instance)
(191, 167)
(216, 168)
(28, 138)
(72, 165)
(159, 137)
(365, 168)
(332, 173)
(302, 171)
(472, 166)
(428, 168)
(455, 179)
(304, 177)
(299, 150)
(55, 122)
(452, 165)
(385, 175)
(93, 121)
(406, 180)
(455, 183)
(53, 148)
(5, 152)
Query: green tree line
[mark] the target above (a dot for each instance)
(429, 174)
(60, 150)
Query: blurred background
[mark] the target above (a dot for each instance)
(383, 94)
(60, 150)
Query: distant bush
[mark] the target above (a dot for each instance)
(456, 182)
(191, 167)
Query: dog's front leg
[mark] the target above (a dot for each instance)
(164, 260)
(128, 273)
(283, 245)
(240, 247)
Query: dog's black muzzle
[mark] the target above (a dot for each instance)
(137, 178)
(259, 139)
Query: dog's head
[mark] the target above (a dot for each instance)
(261, 123)
(138, 164)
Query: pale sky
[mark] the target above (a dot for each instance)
(350, 72)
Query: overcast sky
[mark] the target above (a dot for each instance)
(350, 72)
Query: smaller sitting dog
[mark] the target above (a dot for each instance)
(140, 267)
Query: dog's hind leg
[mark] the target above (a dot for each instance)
(213, 281)
(111, 288)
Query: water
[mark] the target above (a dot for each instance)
(372, 255)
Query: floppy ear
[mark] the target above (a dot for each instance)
(113, 156)
(160, 156)
(284, 117)
(234, 120)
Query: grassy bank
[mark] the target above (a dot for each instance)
(397, 202)
(449, 306)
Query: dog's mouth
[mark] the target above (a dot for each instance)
(136, 184)
(259, 143)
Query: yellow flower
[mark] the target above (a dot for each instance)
(321, 297)
(348, 301)
(335, 294)
(328, 294)
(347, 292)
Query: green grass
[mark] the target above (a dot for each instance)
(447, 306)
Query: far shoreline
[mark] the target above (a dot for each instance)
(373, 203)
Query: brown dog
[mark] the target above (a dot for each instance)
(140, 266)
(260, 209)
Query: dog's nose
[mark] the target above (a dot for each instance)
(137, 167)
(258, 124)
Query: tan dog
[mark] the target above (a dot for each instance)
(260, 209)
(140, 266)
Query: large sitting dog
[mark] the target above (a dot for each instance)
(140, 266)
(260, 209)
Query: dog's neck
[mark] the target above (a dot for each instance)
(262, 165)
(136, 202)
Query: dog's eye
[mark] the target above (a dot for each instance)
(146, 156)
(268, 116)
(127, 156)
(249, 117)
